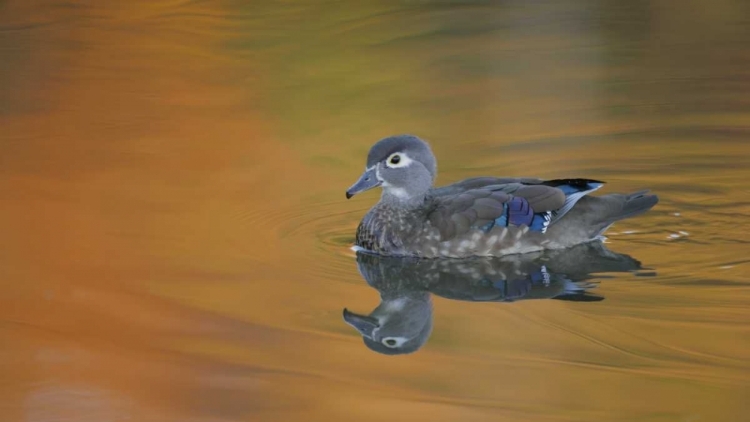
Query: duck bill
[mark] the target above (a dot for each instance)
(366, 325)
(367, 181)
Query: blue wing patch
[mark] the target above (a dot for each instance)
(541, 221)
(518, 212)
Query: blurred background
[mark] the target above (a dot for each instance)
(176, 242)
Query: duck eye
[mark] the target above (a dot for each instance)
(395, 159)
(390, 342)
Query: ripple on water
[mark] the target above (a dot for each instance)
(319, 236)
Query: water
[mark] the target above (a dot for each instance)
(177, 242)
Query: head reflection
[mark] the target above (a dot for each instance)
(402, 322)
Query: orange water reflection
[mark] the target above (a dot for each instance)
(175, 230)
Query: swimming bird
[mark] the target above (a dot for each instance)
(481, 216)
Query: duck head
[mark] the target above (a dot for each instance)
(403, 165)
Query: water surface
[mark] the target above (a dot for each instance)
(176, 238)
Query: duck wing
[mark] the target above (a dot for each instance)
(483, 203)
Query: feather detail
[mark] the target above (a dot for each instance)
(574, 191)
(519, 211)
(541, 222)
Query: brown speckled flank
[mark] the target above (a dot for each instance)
(390, 231)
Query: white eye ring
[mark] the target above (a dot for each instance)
(398, 160)
(393, 342)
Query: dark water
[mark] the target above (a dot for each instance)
(176, 242)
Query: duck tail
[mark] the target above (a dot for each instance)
(632, 205)
(600, 212)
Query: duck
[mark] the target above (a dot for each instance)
(479, 216)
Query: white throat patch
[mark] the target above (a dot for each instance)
(394, 191)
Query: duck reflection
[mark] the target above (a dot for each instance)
(402, 322)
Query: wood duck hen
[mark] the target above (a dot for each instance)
(481, 216)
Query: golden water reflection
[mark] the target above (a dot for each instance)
(176, 234)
